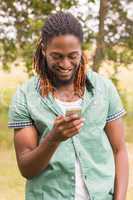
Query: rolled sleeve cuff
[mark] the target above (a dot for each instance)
(117, 115)
(19, 124)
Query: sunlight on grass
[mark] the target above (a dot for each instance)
(11, 182)
(130, 194)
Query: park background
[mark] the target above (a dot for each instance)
(108, 42)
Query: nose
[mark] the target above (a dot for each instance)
(65, 63)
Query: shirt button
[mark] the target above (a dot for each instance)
(85, 177)
(95, 102)
(72, 177)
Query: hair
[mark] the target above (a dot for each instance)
(60, 23)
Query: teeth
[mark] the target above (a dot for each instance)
(64, 70)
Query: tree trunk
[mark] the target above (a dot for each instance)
(100, 44)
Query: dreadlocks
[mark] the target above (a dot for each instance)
(59, 24)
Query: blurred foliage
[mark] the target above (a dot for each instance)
(5, 98)
(25, 19)
(124, 56)
(119, 32)
(114, 38)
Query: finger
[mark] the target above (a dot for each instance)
(59, 119)
(73, 123)
(71, 117)
(74, 130)
(62, 119)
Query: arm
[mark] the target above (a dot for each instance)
(32, 157)
(115, 133)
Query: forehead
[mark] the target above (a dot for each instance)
(64, 43)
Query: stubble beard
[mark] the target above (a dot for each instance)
(56, 81)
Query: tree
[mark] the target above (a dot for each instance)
(100, 47)
(114, 39)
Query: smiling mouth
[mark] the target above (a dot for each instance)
(64, 71)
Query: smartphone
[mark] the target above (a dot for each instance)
(73, 111)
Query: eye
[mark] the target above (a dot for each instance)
(57, 56)
(74, 56)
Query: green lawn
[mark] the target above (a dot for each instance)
(11, 183)
(5, 133)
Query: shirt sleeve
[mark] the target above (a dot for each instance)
(19, 116)
(116, 109)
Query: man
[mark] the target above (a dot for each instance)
(66, 157)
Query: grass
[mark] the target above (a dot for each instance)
(5, 133)
(11, 183)
(129, 128)
(130, 154)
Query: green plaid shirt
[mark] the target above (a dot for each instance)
(57, 181)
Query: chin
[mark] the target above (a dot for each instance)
(65, 81)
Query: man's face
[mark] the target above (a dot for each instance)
(63, 55)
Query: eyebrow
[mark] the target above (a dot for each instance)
(58, 53)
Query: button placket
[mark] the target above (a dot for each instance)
(72, 178)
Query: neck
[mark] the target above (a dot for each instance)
(66, 93)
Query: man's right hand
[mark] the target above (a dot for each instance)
(66, 127)
(32, 157)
